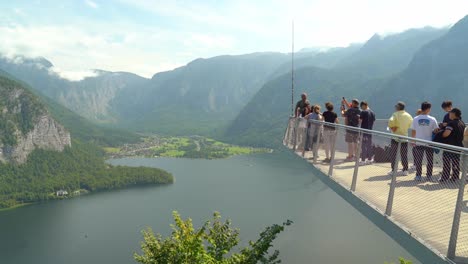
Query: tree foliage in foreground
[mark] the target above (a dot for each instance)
(213, 243)
(402, 261)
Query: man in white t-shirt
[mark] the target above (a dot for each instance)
(422, 128)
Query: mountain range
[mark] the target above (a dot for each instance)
(189, 99)
(246, 99)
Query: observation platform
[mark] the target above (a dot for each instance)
(433, 213)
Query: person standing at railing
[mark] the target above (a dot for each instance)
(308, 108)
(301, 105)
(329, 132)
(422, 128)
(413, 167)
(447, 107)
(352, 118)
(313, 129)
(453, 135)
(367, 117)
(399, 123)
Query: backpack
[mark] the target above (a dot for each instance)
(382, 155)
(439, 138)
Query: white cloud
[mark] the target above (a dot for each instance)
(72, 75)
(19, 12)
(318, 22)
(74, 50)
(180, 31)
(197, 40)
(91, 4)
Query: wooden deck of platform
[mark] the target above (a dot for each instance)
(424, 209)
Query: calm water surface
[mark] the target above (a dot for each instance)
(254, 191)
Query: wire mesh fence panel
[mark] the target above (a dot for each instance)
(425, 199)
(343, 164)
(289, 135)
(375, 171)
(301, 135)
(315, 147)
(462, 241)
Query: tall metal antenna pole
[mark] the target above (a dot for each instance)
(292, 72)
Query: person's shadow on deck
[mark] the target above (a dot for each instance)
(383, 178)
(426, 187)
(412, 183)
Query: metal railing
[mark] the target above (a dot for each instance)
(417, 184)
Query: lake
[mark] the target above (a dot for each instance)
(253, 191)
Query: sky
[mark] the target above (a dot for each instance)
(146, 37)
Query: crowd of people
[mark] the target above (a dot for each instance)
(451, 131)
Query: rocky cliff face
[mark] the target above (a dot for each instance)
(46, 134)
(26, 125)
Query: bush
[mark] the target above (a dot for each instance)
(213, 243)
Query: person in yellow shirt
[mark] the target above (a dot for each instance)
(399, 124)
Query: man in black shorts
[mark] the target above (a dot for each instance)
(352, 119)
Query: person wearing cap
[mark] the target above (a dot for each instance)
(352, 119)
(423, 126)
(453, 134)
(399, 124)
(301, 105)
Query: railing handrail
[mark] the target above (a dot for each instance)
(388, 135)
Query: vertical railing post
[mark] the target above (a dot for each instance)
(317, 144)
(391, 193)
(307, 137)
(332, 152)
(356, 165)
(286, 138)
(458, 209)
(296, 124)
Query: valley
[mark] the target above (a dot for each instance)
(193, 147)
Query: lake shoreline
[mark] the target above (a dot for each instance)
(83, 192)
(16, 206)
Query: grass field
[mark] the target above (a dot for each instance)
(183, 147)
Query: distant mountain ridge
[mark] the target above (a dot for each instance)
(326, 59)
(383, 56)
(206, 92)
(199, 97)
(92, 97)
(437, 72)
